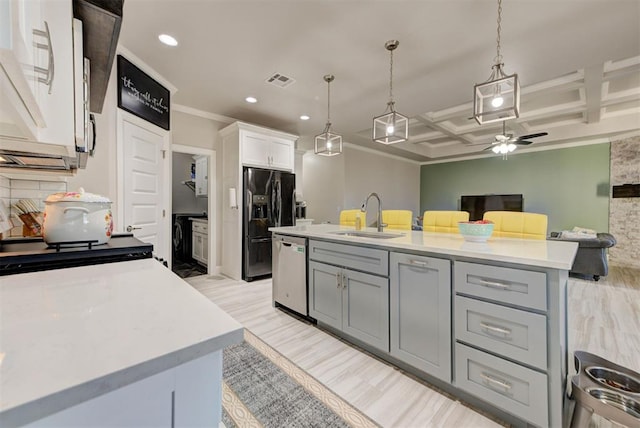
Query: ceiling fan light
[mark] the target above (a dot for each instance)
(511, 147)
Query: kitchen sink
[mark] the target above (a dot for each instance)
(365, 234)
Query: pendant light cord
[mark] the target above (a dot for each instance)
(328, 102)
(391, 78)
(498, 58)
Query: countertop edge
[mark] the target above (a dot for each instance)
(61, 400)
(384, 244)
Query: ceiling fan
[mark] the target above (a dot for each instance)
(505, 143)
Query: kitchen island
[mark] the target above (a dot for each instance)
(119, 344)
(484, 321)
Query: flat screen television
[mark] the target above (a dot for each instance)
(477, 205)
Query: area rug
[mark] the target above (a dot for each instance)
(262, 388)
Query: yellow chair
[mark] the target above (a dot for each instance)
(348, 218)
(443, 221)
(510, 224)
(397, 219)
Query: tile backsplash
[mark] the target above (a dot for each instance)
(11, 191)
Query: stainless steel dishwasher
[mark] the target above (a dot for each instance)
(289, 274)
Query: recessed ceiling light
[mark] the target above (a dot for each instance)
(168, 40)
(304, 117)
(251, 100)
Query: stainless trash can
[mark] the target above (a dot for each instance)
(606, 389)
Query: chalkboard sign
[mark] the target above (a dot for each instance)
(139, 94)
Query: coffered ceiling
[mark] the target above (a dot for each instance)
(578, 62)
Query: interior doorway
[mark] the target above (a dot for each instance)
(141, 172)
(193, 205)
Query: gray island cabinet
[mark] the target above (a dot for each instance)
(420, 308)
(486, 322)
(345, 298)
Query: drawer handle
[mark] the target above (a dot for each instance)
(495, 329)
(490, 380)
(418, 263)
(495, 284)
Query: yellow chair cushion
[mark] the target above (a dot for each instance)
(348, 218)
(443, 221)
(509, 224)
(397, 219)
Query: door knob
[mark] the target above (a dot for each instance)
(131, 228)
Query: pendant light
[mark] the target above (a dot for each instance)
(390, 127)
(328, 143)
(498, 98)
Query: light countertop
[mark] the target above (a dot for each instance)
(70, 335)
(202, 220)
(532, 252)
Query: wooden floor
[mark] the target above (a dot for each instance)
(604, 318)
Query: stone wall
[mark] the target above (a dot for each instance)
(624, 213)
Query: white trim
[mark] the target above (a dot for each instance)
(131, 57)
(201, 113)
(625, 135)
(522, 151)
(377, 152)
(243, 126)
(212, 220)
(192, 150)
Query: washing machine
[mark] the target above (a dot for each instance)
(182, 235)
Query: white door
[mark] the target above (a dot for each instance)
(143, 168)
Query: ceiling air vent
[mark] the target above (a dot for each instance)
(280, 80)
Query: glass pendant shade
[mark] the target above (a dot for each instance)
(328, 143)
(390, 128)
(498, 99)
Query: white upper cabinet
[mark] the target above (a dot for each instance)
(37, 75)
(202, 176)
(267, 151)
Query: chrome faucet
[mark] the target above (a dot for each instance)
(364, 209)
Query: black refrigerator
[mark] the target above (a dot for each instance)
(269, 201)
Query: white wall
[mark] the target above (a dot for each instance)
(183, 198)
(332, 184)
(198, 129)
(396, 181)
(323, 186)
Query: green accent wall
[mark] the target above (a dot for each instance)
(570, 185)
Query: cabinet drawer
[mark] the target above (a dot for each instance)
(199, 227)
(516, 334)
(513, 388)
(514, 286)
(359, 258)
